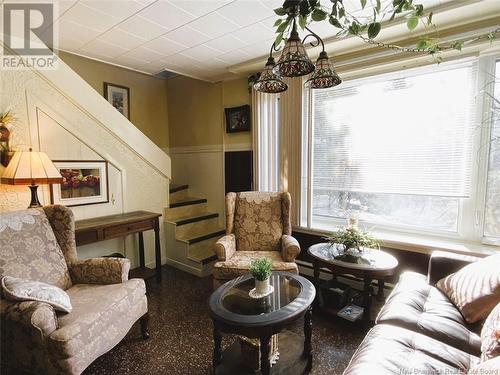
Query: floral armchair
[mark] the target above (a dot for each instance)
(257, 226)
(39, 245)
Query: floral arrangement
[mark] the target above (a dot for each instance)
(350, 242)
(261, 269)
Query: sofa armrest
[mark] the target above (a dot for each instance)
(444, 263)
(290, 248)
(38, 319)
(225, 247)
(102, 271)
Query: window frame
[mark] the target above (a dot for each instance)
(471, 212)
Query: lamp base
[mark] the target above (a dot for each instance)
(34, 197)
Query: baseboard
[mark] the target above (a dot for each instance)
(238, 147)
(184, 267)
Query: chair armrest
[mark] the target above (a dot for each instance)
(444, 263)
(290, 248)
(105, 270)
(225, 247)
(37, 319)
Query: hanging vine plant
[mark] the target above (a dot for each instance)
(309, 11)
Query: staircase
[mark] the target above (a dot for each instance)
(191, 232)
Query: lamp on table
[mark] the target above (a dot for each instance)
(31, 168)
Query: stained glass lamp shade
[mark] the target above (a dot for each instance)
(324, 75)
(270, 82)
(294, 61)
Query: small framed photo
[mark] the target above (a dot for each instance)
(84, 182)
(237, 119)
(119, 97)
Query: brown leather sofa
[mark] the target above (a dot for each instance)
(419, 331)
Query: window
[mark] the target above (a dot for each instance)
(396, 150)
(492, 211)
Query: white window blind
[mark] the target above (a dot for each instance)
(409, 132)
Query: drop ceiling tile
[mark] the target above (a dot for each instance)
(187, 36)
(90, 17)
(197, 7)
(214, 25)
(102, 48)
(144, 54)
(245, 12)
(167, 15)
(117, 8)
(253, 33)
(225, 43)
(129, 61)
(164, 46)
(272, 4)
(180, 60)
(121, 38)
(73, 35)
(142, 27)
(201, 53)
(260, 49)
(234, 57)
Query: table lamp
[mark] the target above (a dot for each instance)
(31, 168)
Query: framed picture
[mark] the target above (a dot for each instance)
(84, 182)
(237, 119)
(119, 97)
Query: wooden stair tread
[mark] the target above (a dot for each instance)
(175, 188)
(192, 218)
(187, 202)
(203, 260)
(203, 237)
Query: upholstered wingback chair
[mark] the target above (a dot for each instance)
(39, 245)
(257, 226)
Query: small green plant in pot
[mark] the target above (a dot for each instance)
(350, 243)
(261, 270)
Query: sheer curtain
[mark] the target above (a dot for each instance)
(265, 119)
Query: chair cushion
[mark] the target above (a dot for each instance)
(418, 306)
(239, 264)
(490, 335)
(16, 289)
(388, 349)
(29, 249)
(475, 289)
(258, 221)
(102, 315)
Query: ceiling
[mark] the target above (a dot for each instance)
(197, 38)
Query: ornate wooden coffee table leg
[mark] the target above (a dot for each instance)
(217, 348)
(308, 337)
(265, 349)
(367, 299)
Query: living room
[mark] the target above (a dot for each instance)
(250, 187)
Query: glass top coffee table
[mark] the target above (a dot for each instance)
(233, 311)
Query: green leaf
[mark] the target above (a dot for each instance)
(335, 22)
(280, 11)
(429, 18)
(374, 29)
(419, 10)
(363, 3)
(282, 27)
(318, 15)
(302, 21)
(341, 12)
(423, 44)
(278, 40)
(278, 22)
(378, 6)
(412, 22)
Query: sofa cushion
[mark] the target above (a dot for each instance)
(239, 264)
(258, 221)
(29, 249)
(101, 317)
(490, 335)
(388, 349)
(475, 289)
(418, 306)
(16, 289)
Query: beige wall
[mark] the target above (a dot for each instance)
(235, 93)
(148, 95)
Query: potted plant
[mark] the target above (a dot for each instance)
(6, 153)
(350, 243)
(261, 270)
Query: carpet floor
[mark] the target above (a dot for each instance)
(181, 334)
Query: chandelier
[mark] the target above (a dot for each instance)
(294, 62)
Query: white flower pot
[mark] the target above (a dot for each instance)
(262, 287)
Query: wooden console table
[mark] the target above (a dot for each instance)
(114, 226)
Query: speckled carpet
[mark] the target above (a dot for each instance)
(181, 334)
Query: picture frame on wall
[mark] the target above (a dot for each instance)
(84, 182)
(119, 97)
(237, 119)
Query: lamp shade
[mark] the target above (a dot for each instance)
(31, 168)
(270, 82)
(294, 61)
(324, 75)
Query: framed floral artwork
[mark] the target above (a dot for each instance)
(84, 182)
